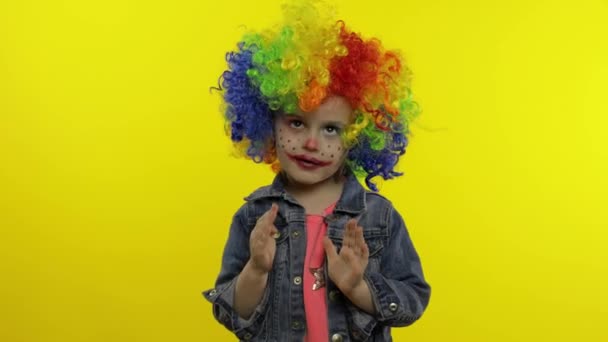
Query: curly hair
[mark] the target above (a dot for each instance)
(299, 64)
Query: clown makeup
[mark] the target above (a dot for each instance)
(309, 145)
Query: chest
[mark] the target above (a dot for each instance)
(317, 205)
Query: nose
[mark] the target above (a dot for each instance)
(311, 143)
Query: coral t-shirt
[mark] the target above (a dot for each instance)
(315, 304)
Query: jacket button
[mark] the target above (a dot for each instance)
(334, 295)
(212, 293)
(392, 307)
(295, 234)
(296, 325)
(247, 336)
(330, 218)
(297, 280)
(276, 235)
(336, 338)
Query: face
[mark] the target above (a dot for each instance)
(309, 146)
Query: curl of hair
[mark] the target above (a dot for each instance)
(247, 112)
(298, 65)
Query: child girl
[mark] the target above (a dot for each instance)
(314, 256)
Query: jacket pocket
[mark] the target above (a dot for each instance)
(374, 238)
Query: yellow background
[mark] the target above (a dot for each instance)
(117, 185)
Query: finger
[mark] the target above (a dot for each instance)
(345, 234)
(348, 236)
(365, 250)
(330, 249)
(271, 215)
(359, 240)
(274, 232)
(272, 212)
(353, 234)
(261, 219)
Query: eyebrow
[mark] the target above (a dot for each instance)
(325, 123)
(335, 123)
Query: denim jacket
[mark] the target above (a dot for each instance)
(394, 274)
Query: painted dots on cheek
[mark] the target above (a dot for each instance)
(332, 150)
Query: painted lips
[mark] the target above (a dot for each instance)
(307, 163)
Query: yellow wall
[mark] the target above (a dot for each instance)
(117, 185)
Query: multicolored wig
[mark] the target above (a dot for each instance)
(299, 64)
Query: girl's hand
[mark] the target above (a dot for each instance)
(262, 245)
(346, 269)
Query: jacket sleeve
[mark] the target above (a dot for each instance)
(236, 254)
(399, 291)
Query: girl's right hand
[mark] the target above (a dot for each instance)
(262, 245)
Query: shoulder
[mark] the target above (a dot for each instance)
(382, 205)
(261, 192)
(374, 197)
(376, 202)
(258, 201)
(249, 200)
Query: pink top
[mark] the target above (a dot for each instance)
(315, 305)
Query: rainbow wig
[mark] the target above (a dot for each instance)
(299, 64)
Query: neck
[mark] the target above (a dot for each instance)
(316, 197)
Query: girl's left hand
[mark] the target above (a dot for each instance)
(346, 268)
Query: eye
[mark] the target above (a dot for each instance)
(332, 130)
(295, 123)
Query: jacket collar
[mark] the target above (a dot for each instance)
(352, 199)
